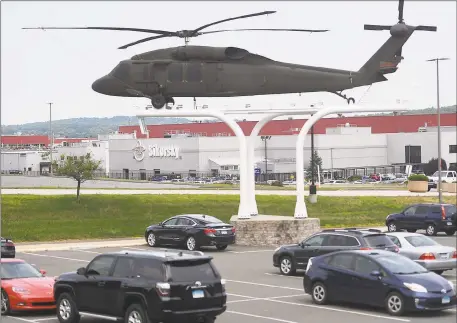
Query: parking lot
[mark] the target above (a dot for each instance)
(256, 292)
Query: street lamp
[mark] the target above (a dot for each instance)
(51, 137)
(437, 60)
(265, 139)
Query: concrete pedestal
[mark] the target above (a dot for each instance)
(273, 230)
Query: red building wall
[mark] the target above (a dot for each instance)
(378, 124)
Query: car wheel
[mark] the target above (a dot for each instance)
(67, 312)
(286, 266)
(152, 242)
(392, 227)
(5, 305)
(221, 246)
(438, 272)
(319, 293)
(135, 314)
(411, 230)
(395, 304)
(430, 230)
(191, 244)
(450, 232)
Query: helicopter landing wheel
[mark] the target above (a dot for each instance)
(351, 100)
(344, 96)
(170, 100)
(158, 101)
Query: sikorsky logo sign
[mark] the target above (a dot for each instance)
(139, 151)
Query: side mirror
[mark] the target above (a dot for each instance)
(81, 271)
(376, 273)
(43, 272)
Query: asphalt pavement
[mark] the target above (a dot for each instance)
(256, 291)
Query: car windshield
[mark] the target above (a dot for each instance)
(12, 270)
(209, 219)
(436, 174)
(421, 241)
(400, 265)
(186, 271)
(378, 241)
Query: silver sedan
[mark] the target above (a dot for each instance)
(425, 251)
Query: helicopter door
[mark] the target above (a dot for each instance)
(175, 79)
(210, 77)
(194, 78)
(158, 74)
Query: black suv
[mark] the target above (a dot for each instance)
(433, 217)
(289, 258)
(143, 287)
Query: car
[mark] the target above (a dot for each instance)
(24, 288)
(433, 217)
(8, 249)
(142, 287)
(289, 258)
(377, 278)
(192, 231)
(425, 251)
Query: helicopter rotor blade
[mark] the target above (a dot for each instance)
(230, 19)
(401, 3)
(376, 27)
(150, 31)
(144, 40)
(264, 29)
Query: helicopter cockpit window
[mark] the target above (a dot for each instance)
(121, 71)
(175, 73)
(194, 72)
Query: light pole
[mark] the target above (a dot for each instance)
(437, 60)
(51, 137)
(265, 139)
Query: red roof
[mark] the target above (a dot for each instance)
(25, 140)
(378, 124)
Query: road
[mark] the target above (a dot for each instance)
(256, 291)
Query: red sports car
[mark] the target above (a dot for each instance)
(24, 288)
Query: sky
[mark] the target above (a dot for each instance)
(60, 66)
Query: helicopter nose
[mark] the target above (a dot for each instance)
(108, 85)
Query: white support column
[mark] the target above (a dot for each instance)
(243, 209)
(300, 207)
(251, 147)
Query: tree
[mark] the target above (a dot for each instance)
(313, 167)
(432, 166)
(79, 168)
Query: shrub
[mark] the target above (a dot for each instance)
(418, 178)
(277, 183)
(354, 178)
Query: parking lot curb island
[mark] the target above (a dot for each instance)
(79, 245)
(273, 230)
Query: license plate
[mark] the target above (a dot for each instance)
(449, 223)
(198, 294)
(444, 256)
(224, 232)
(446, 300)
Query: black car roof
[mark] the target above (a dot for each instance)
(163, 254)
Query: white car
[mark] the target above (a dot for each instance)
(425, 251)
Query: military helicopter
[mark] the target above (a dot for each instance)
(202, 71)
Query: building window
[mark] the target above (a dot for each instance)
(453, 149)
(453, 166)
(413, 155)
(156, 171)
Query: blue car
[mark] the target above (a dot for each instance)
(377, 278)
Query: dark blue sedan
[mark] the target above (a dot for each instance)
(377, 278)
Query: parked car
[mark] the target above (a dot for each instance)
(377, 278)
(24, 288)
(192, 231)
(141, 287)
(446, 175)
(8, 249)
(432, 217)
(289, 258)
(425, 251)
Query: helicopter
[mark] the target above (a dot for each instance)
(203, 71)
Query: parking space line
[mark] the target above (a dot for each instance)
(270, 274)
(20, 319)
(249, 251)
(45, 319)
(340, 310)
(49, 256)
(262, 298)
(260, 317)
(264, 285)
(244, 296)
(131, 248)
(86, 251)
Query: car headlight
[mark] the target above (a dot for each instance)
(21, 290)
(277, 249)
(451, 284)
(416, 287)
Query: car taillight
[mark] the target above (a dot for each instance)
(365, 248)
(223, 282)
(396, 249)
(443, 213)
(209, 231)
(427, 256)
(233, 230)
(454, 255)
(163, 289)
(9, 244)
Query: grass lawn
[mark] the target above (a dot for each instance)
(46, 218)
